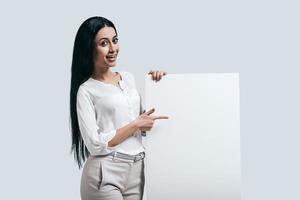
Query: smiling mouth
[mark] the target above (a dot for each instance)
(111, 58)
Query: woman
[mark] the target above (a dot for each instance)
(106, 116)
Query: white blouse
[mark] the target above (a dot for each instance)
(102, 108)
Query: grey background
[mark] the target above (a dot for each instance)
(258, 39)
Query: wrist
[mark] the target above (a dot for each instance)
(135, 125)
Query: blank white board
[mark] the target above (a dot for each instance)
(195, 154)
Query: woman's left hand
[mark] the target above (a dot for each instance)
(157, 75)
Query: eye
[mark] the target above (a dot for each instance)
(116, 40)
(103, 43)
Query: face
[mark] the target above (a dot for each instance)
(107, 48)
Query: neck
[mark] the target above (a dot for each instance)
(103, 73)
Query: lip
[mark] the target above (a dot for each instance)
(111, 56)
(112, 59)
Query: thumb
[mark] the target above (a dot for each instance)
(149, 112)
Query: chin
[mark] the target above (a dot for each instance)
(112, 65)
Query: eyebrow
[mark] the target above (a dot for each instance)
(107, 38)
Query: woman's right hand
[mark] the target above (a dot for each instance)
(145, 121)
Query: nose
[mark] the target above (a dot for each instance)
(112, 47)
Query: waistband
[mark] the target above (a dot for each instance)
(133, 158)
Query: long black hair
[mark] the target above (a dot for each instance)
(82, 69)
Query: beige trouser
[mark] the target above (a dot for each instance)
(108, 178)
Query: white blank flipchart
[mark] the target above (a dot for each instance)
(195, 154)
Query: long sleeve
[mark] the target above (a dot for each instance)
(96, 142)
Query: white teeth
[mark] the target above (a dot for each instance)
(111, 58)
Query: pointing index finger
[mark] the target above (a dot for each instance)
(160, 117)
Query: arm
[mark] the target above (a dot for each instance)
(144, 123)
(123, 133)
(96, 143)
